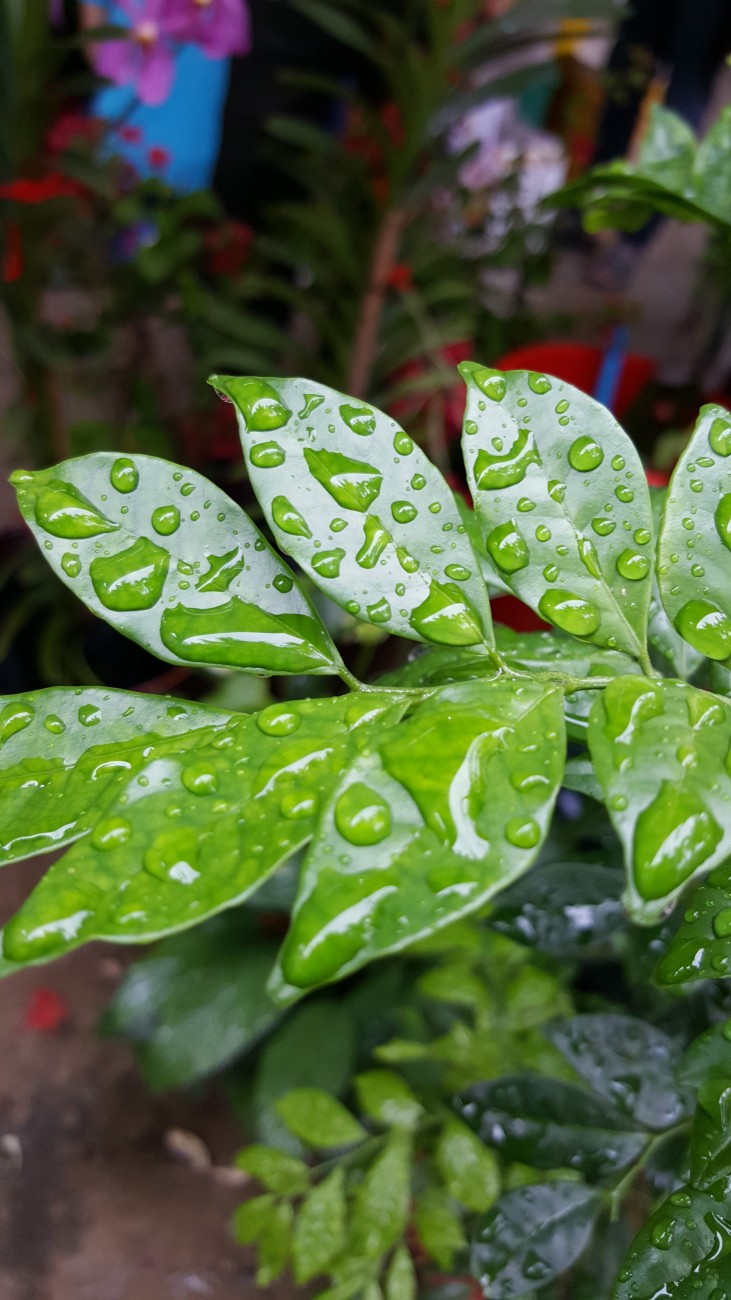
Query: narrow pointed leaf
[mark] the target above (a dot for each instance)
(195, 833)
(168, 559)
(439, 1226)
(361, 509)
(682, 1251)
(274, 1169)
(319, 1119)
(694, 545)
(319, 1232)
(387, 1098)
(701, 947)
(65, 751)
(659, 750)
(531, 1236)
(710, 1142)
(470, 1170)
(382, 1199)
(449, 835)
(708, 1057)
(563, 504)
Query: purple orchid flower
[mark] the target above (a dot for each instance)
(218, 27)
(144, 59)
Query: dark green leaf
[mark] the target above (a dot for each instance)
(551, 1124)
(682, 659)
(470, 1170)
(682, 1251)
(561, 907)
(172, 562)
(319, 1119)
(531, 1236)
(710, 1142)
(701, 947)
(708, 1057)
(552, 499)
(319, 1233)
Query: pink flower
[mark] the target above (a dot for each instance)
(144, 59)
(219, 27)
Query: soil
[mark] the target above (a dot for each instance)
(93, 1205)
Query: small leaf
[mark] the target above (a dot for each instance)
(400, 1281)
(668, 149)
(168, 559)
(361, 509)
(275, 1170)
(274, 1244)
(550, 1124)
(64, 751)
(252, 1217)
(708, 1057)
(470, 1170)
(449, 834)
(318, 1119)
(694, 546)
(680, 1251)
(552, 499)
(319, 1233)
(659, 750)
(701, 947)
(387, 1098)
(439, 1226)
(682, 659)
(382, 1199)
(626, 1060)
(532, 1236)
(710, 1142)
(561, 907)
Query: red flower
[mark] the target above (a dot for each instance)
(40, 189)
(12, 263)
(45, 1011)
(228, 247)
(70, 128)
(158, 157)
(130, 134)
(401, 278)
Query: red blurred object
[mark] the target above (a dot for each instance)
(657, 477)
(158, 158)
(579, 364)
(130, 134)
(401, 278)
(12, 263)
(228, 247)
(45, 1012)
(70, 128)
(40, 189)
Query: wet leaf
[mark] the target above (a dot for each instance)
(386, 1097)
(694, 545)
(319, 1119)
(555, 479)
(708, 1057)
(628, 1061)
(65, 751)
(275, 1170)
(439, 1226)
(681, 1252)
(251, 1218)
(400, 1281)
(674, 652)
(659, 750)
(319, 1233)
(449, 835)
(168, 559)
(531, 1236)
(361, 509)
(195, 833)
(382, 1199)
(470, 1170)
(710, 1142)
(700, 949)
(561, 907)
(274, 1244)
(551, 1124)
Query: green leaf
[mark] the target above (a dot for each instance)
(682, 1249)
(193, 834)
(387, 1098)
(561, 907)
(319, 1119)
(659, 751)
(694, 546)
(274, 1244)
(551, 1124)
(361, 509)
(195, 1003)
(450, 834)
(712, 171)
(668, 149)
(400, 1281)
(710, 1142)
(381, 1204)
(701, 947)
(275, 1170)
(439, 1226)
(708, 1057)
(319, 1233)
(531, 1236)
(168, 559)
(682, 659)
(64, 752)
(470, 1170)
(552, 500)
(626, 1060)
(252, 1217)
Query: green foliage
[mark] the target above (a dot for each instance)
(460, 1092)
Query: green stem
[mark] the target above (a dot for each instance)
(616, 1194)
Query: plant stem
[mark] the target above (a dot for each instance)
(365, 343)
(616, 1194)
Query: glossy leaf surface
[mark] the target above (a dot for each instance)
(561, 907)
(682, 1251)
(65, 751)
(361, 509)
(694, 545)
(551, 1124)
(710, 1143)
(701, 947)
(172, 562)
(659, 750)
(562, 500)
(531, 1236)
(194, 833)
(449, 835)
(674, 653)
(626, 1060)
(708, 1057)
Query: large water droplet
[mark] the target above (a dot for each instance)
(403, 512)
(490, 382)
(89, 715)
(62, 510)
(327, 563)
(722, 923)
(259, 404)
(585, 454)
(242, 635)
(539, 383)
(200, 778)
(54, 724)
(380, 612)
(603, 527)
(719, 436)
(312, 401)
(361, 419)
(569, 612)
(352, 483)
(278, 720)
(71, 564)
(506, 469)
(722, 519)
(633, 566)
(661, 1234)
(15, 718)
(522, 832)
(589, 557)
(674, 836)
(267, 455)
(402, 443)
(166, 520)
(706, 628)
(458, 572)
(111, 833)
(172, 856)
(362, 816)
(124, 475)
(507, 548)
(288, 518)
(376, 540)
(295, 805)
(132, 579)
(221, 571)
(445, 618)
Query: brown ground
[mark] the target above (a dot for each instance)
(92, 1205)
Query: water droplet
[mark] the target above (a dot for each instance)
(623, 493)
(89, 715)
(402, 443)
(556, 490)
(380, 612)
(200, 778)
(719, 437)
(15, 718)
(403, 512)
(186, 489)
(172, 856)
(501, 471)
(589, 557)
(54, 724)
(603, 527)
(267, 455)
(617, 462)
(722, 923)
(278, 720)
(525, 505)
(418, 482)
(446, 618)
(543, 534)
(569, 612)
(259, 404)
(633, 566)
(288, 518)
(166, 520)
(696, 485)
(283, 583)
(661, 1234)
(722, 519)
(585, 454)
(697, 570)
(407, 562)
(674, 835)
(706, 628)
(362, 816)
(435, 507)
(470, 427)
(124, 475)
(132, 579)
(562, 406)
(71, 565)
(642, 536)
(327, 563)
(539, 383)
(353, 484)
(458, 572)
(376, 540)
(312, 401)
(111, 833)
(550, 572)
(295, 805)
(522, 833)
(489, 382)
(361, 419)
(507, 548)
(62, 510)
